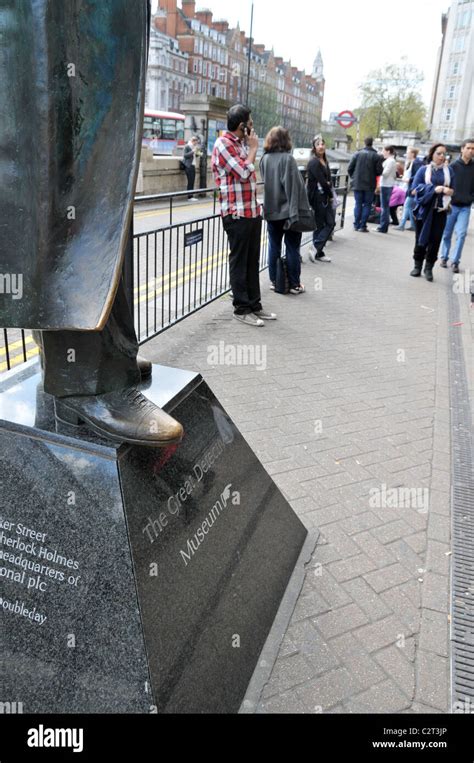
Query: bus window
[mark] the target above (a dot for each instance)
(180, 130)
(169, 129)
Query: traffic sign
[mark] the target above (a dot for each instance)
(346, 119)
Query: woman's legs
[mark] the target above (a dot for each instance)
(292, 246)
(325, 222)
(275, 237)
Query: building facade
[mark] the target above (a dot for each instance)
(218, 61)
(452, 104)
(168, 79)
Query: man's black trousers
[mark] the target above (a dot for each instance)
(244, 261)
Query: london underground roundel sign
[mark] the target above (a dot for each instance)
(346, 119)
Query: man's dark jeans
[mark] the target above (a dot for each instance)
(244, 260)
(363, 204)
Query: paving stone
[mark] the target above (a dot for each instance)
(340, 620)
(435, 592)
(405, 555)
(374, 549)
(382, 633)
(400, 670)
(387, 533)
(327, 690)
(400, 605)
(439, 528)
(354, 657)
(309, 603)
(438, 557)
(313, 646)
(288, 702)
(434, 632)
(328, 587)
(326, 553)
(351, 568)
(432, 674)
(440, 503)
(288, 673)
(384, 697)
(336, 535)
(388, 577)
(417, 542)
(370, 602)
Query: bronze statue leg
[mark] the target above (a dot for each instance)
(92, 362)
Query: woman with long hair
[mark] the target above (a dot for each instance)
(433, 186)
(320, 198)
(284, 200)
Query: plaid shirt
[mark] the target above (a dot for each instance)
(235, 176)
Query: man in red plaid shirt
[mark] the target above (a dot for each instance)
(233, 166)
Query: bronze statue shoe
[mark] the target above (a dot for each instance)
(123, 416)
(144, 366)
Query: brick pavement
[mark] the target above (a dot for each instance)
(351, 408)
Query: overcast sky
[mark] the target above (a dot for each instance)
(354, 37)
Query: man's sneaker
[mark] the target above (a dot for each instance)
(455, 267)
(362, 230)
(295, 290)
(264, 316)
(272, 286)
(249, 318)
(443, 263)
(323, 258)
(399, 227)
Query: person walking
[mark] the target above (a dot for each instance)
(411, 168)
(189, 155)
(285, 202)
(233, 167)
(363, 170)
(320, 198)
(387, 182)
(433, 186)
(463, 198)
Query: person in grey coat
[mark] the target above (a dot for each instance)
(189, 154)
(285, 201)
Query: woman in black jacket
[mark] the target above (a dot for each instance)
(320, 198)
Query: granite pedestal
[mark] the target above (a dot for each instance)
(134, 579)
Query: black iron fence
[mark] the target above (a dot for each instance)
(174, 270)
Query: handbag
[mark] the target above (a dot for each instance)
(282, 282)
(305, 222)
(335, 199)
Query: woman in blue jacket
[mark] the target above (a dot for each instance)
(433, 186)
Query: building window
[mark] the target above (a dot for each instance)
(455, 68)
(459, 43)
(448, 115)
(451, 91)
(195, 67)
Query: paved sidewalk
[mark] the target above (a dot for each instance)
(351, 411)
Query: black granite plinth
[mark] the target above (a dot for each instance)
(136, 579)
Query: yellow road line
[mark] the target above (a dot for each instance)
(18, 359)
(16, 345)
(152, 213)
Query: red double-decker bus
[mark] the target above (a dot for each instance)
(163, 131)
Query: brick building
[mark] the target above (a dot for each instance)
(168, 79)
(218, 62)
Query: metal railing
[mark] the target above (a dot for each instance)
(175, 270)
